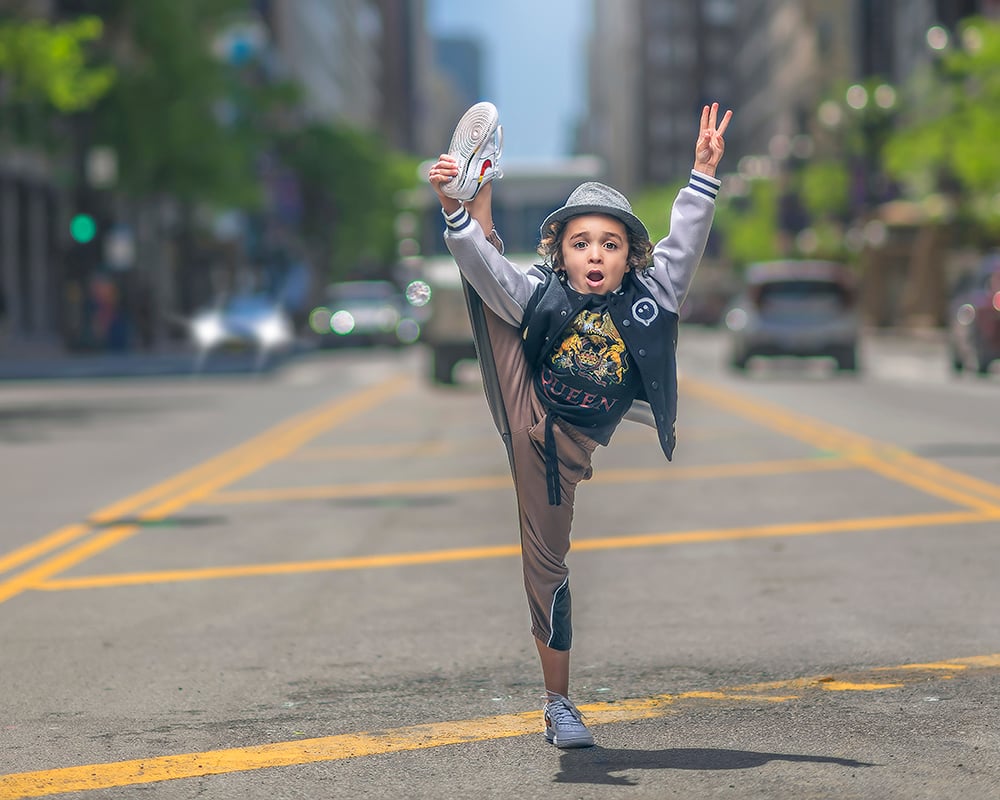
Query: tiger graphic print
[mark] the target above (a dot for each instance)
(593, 348)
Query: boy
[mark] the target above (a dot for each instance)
(569, 348)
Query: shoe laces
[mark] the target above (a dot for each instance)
(561, 710)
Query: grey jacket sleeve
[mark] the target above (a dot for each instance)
(503, 286)
(676, 257)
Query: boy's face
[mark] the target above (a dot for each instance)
(595, 253)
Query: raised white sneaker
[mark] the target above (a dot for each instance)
(476, 145)
(564, 723)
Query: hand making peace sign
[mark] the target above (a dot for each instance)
(710, 145)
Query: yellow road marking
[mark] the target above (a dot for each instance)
(195, 484)
(848, 686)
(93, 777)
(489, 482)
(132, 504)
(508, 551)
(888, 460)
(750, 698)
(55, 540)
(925, 484)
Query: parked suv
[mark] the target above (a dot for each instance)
(795, 308)
(974, 318)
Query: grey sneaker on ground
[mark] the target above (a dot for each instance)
(476, 145)
(564, 723)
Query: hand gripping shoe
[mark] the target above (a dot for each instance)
(476, 146)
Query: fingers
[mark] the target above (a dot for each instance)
(725, 122)
(443, 170)
(710, 116)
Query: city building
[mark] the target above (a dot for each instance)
(644, 109)
(334, 51)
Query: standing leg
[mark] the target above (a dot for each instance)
(555, 668)
(545, 529)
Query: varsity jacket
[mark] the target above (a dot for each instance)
(645, 309)
(649, 333)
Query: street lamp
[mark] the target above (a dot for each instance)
(872, 104)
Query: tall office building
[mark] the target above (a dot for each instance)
(792, 54)
(333, 51)
(644, 106)
(454, 83)
(407, 58)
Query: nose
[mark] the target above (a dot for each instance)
(595, 253)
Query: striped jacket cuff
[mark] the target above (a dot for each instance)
(705, 184)
(458, 221)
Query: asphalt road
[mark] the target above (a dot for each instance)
(305, 584)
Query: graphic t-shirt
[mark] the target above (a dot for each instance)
(588, 378)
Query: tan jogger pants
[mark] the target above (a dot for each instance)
(545, 529)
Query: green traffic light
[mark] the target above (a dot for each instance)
(83, 228)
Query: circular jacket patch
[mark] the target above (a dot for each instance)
(645, 311)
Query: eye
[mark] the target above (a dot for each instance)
(611, 245)
(580, 245)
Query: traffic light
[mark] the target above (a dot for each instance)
(83, 228)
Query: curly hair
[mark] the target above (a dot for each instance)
(640, 251)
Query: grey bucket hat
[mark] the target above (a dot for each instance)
(597, 198)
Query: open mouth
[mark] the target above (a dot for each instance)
(595, 276)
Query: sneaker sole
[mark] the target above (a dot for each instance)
(475, 127)
(566, 744)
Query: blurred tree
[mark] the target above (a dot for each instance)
(40, 61)
(351, 183)
(749, 223)
(182, 121)
(823, 188)
(652, 206)
(945, 155)
(947, 144)
(189, 120)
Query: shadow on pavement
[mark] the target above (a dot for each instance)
(595, 764)
(182, 521)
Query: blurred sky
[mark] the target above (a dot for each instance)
(533, 67)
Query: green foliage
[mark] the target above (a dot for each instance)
(824, 188)
(749, 223)
(653, 208)
(45, 62)
(164, 115)
(351, 184)
(949, 139)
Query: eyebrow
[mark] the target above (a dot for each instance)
(610, 234)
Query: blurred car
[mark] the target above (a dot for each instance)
(447, 332)
(974, 318)
(799, 308)
(705, 307)
(367, 312)
(255, 322)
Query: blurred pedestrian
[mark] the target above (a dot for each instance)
(569, 348)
